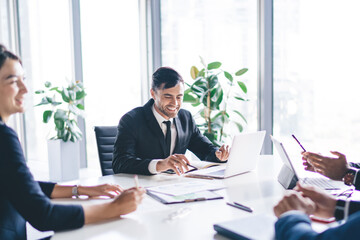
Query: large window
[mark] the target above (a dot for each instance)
(224, 31)
(4, 23)
(46, 48)
(111, 64)
(316, 80)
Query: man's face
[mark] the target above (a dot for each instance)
(168, 101)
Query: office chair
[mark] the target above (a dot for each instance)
(105, 139)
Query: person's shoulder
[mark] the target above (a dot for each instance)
(134, 113)
(7, 131)
(184, 113)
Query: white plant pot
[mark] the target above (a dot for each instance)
(64, 160)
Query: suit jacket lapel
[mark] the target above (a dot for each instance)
(154, 125)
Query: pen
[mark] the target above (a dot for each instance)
(191, 166)
(240, 206)
(298, 142)
(136, 179)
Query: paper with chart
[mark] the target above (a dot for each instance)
(182, 188)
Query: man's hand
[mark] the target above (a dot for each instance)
(334, 168)
(223, 153)
(177, 162)
(325, 203)
(307, 165)
(294, 201)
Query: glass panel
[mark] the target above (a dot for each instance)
(224, 31)
(316, 80)
(4, 23)
(46, 45)
(111, 64)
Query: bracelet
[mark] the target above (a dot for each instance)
(75, 192)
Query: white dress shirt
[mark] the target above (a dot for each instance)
(160, 119)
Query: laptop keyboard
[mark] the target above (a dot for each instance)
(319, 182)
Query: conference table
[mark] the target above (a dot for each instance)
(258, 189)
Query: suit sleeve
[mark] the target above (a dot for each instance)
(47, 188)
(357, 176)
(201, 145)
(298, 226)
(354, 206)
(25, 194)
(124, 157)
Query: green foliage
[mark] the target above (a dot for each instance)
(64, 112)
(217, 103)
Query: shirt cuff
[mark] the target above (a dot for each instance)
(152, 166)
(356, 176)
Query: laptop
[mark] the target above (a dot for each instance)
(243, 157)
(259, 227)
(288, 176)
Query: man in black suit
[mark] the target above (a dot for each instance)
(153, 138)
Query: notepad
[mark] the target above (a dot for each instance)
(191, 197)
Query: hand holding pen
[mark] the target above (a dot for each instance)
(306, 163)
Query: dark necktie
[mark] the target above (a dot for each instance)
(168, 137)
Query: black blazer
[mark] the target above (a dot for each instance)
(22, 199)
(140, 140)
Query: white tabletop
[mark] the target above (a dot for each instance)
(258, 189)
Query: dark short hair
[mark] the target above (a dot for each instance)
(5, 54)
(165, 77)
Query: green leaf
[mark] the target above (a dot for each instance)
(54, 89)
(239, 98)
(56, 103)
(80, 95)
(196, 104)
(213, 80)
(47, 84)
(219, 99)
(241, 72)
(65, 95)
(189, 98)
(72, 95)
(59, 124)
(201, 73)
(213, 65)
(194, 72)
(44, 101)
(238, 113)
(228, 76)
(80, 106)
(47, 115)
(239, 126)
(60, 114)
(242, 86)
(49, 99)
(39, 92)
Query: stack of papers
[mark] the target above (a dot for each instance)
(185, 192)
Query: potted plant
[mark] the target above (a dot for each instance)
(64, 106)
(216, 101)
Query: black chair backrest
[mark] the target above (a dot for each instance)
(105, 139)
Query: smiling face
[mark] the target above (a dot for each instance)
(12, 88)
(168, 101)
